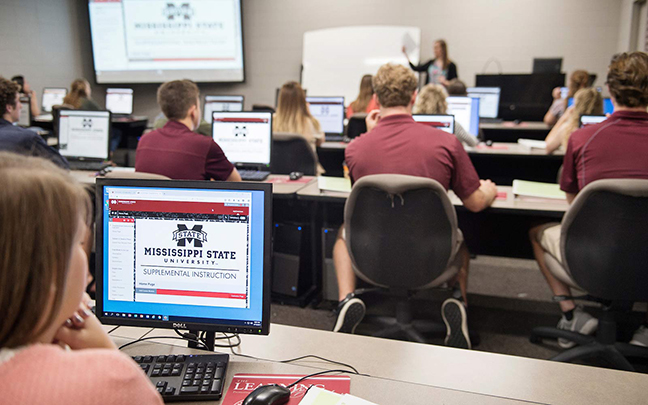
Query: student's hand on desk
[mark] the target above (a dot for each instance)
(372, 119)
(489, 188)
(83, 330)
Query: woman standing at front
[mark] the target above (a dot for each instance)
(441, 69)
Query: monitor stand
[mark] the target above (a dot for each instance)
(210, 338)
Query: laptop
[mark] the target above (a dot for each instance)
(489, 98)
(25, 112)
(444, 122)
(222, 103)
(466, 112)
(119, 102)
(586, 120)
(52, 96)
(83, 138)
(246, 140)
(330, 113)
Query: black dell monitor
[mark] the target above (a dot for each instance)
(184, 255)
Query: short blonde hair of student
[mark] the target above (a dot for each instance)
(292, 113)
(394, 85)
(431, 100)
(176, 97)
(40, 209)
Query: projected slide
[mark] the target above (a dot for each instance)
(159, 40)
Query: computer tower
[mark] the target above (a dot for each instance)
(292, 266)
(329, 280)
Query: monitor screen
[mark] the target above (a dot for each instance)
(466, 112)
(119, 101)
(489, 98)
(186, 255)
(222, 103)
(608, 107)
(53, 96)
(154, 41)
(329, 111)
(25, 112)
(586, 120)
(245, 137)
(84, 134)
(439, 121)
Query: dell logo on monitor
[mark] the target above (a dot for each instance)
(180, 325)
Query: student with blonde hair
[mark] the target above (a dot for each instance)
(432, 100)
(586, 102)
(45, 214)
(293, 115)
(79, 96)
(365, 102)
(579, 79)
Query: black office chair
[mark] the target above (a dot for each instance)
(356, 125)
(603, 246)
(292, 153)
(401, 232)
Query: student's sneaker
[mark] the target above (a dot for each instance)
(351, 310)
(456, 321)
(640, 337)
(582, 322)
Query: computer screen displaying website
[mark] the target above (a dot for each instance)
(245, 137)
(466, 112)
(84, 133)
(153, 41)
(329, 111)
(489, 98)
(222, 103)
(440, 121)
(586, 120)
(183, 254)
(119, 101)
(608, 107)
(53, 96)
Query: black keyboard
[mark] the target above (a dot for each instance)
(253, 175)
(186, 377)
(93, 166)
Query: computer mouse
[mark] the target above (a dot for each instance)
(272, 394)
(295, 175)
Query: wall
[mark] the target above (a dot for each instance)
(48, 41)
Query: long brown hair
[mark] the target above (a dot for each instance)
(364, 97)
(40, 207)
(292, 113)
(579, 79)
(77, 92)
(444, 52)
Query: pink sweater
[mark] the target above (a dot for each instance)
(47, 374)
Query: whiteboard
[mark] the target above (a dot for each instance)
(335, 59)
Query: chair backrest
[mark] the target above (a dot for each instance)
(356, 125)
(292, 153)
(135, 175)
(400, 230)
(604, 239)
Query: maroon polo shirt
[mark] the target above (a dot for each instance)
(616, 148)
(176, 152)
(400, 145)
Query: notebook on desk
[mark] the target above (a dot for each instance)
(83, 138)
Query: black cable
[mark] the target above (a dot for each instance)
(113, 329)
(313, 375)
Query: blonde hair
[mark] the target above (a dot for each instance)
(40, 207)
(431, 100)
(364, 97)
(586, 102)
(292, 113)
(394, 85)
(78, 90)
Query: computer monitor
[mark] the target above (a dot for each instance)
(184, 254)
(222, 103)
(329, 111)
(119, 101)
(489, 98)
(53, 96)
(586, 120)
(547, 65)
(244, 137)
(608, 107)
(84, 135)
(466, 112)
(24, 120)
(444, 122)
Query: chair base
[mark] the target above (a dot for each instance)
(412, 331)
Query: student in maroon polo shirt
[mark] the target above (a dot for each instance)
(396, 144)
(175, 150)
(616, 148)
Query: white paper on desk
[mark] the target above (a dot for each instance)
(409, 43)
(348, 399)
(339, 184)
(532, 143)
(320, 396)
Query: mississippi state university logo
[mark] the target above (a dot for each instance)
(195, 235)
(87, 123)
(173, 12)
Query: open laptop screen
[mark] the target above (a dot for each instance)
(489, 98)
(586, 120)
(25, 112)
(119, 101)
(222, 103)
(53, 96)
(440, 121)
(466, 112)
(244, 137)
(329, 111)
(84, 134)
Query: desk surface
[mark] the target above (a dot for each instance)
(510, 125)
(404, 372)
